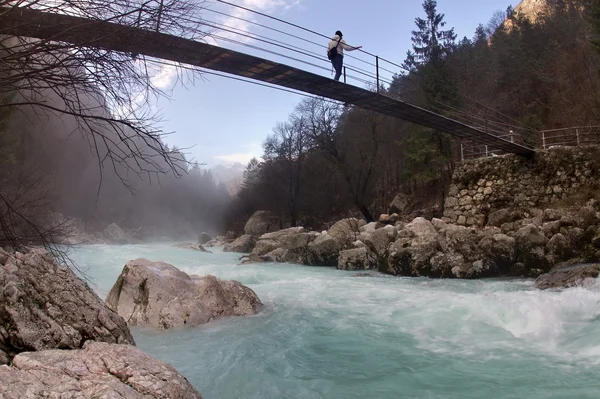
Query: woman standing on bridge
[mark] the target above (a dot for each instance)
(335, 52)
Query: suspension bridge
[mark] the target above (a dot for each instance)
(84, 32)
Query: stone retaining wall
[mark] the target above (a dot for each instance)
(483, 186)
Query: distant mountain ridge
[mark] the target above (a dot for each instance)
(230, 175)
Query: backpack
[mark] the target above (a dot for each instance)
(333, 52)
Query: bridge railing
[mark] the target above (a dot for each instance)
(472, 150)
(570, 137)
(566, 137)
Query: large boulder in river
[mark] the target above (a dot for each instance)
(98, 370)
(530, 250)
(411, 253)
(559, 248)
(379, 242)
(499, 249)
(244, 244)
(568, 276)
(204, 238)
(261, 222)
(323, 251)
(115, 235)
(346, 231)
(289, 245)
(46, 306)
(158, 295)
(357, 259)
(461, 256)
(291, 238)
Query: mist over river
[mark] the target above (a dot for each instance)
(325, 333)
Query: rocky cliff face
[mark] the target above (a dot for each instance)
(531, 8)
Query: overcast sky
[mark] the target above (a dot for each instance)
(223, 121)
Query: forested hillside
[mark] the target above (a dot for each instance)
(328, 161)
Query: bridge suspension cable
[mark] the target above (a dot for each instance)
(240, 79)
(515, 123)
(278, 43)
(299, 27)
(493, 120)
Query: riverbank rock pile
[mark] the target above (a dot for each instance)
(158, 295)
(295, 245)
(98, 370)
(260, 223)
(58, 339)
(513, 243)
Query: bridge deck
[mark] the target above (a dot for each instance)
(110, 36)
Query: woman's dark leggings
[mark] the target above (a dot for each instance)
(338, 62)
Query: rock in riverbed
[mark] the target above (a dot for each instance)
(99, 370)
(158, 295)
(244, 244)
(59, 340)
(195, 247)
(46, 306)
(569, 276)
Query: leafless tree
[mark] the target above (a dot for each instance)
(352, 141)
(109, 94)
(286, 149)
(495, 22)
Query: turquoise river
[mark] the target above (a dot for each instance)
(325, 333)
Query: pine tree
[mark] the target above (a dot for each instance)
(430, 42)
(431, 151)
(480, 35)
(431, 46)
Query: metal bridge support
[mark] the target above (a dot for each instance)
(377, 72)
(543, 134)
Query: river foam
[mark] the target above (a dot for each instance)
(327, 334)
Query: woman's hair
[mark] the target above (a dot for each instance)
(339, 33)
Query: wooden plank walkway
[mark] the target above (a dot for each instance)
(78, 31)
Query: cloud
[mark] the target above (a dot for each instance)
(242, 158)
(165, 77)
(233, 23)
